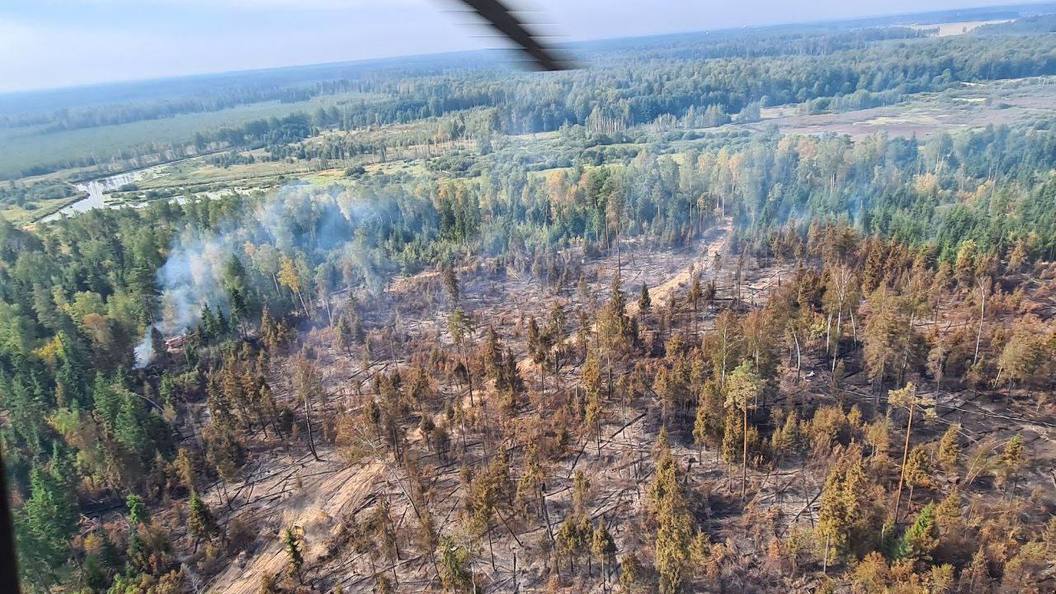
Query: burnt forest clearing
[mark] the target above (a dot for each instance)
(757, 310)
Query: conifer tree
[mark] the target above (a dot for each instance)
(674, 532)
(455, 574)
(137, 512)
(292, 544)
(184, 467)
(905, 397)
(645, 302)
(631, 573)
(200, 521)
(1023, 355)
(918, 470)
(531, 482)
(613, 325)
(921, 538)
(345, 338)
(603, 547)
(846, 511)
(949, 453)
(491, 354)
(451, 283)
(742, 389)
(44, 526)
(1012, 461)
(693, 296)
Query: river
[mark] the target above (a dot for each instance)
(98, 191)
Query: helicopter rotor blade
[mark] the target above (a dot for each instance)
(501, 19)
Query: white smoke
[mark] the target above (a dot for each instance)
(144, 351)
(190, 280)
(192, 276)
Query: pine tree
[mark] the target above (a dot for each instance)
(613, 325)
(888, 336)
(949, 518)
(535, 341)
(921, 538)
(693, 296)
(137, 511)
(905, 397)
(1023, 355)
(674, 532)
(529, 487)
(491, 354)
(130, 426)
(631, 573)
(743, 387)
(385, 534)
(700, 427)
(1012, 461)
(74, 374)
(786, 439)
(208, 325)
(184, 467)
(950, 449)
(344, 335)
(918, 470)
(268, 585)
(603, 547)
(455, 575)
(573, 538)
(666, 389)
(451, 283)
(645, 302)
(708, 419)
(26, 410)
(976, 577)
(292, 544)
(846, 507)
(44, 526)
(200, 521)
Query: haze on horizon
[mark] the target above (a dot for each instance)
(61, 43)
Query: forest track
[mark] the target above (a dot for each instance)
(716, 240)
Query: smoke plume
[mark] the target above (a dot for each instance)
(320, 224)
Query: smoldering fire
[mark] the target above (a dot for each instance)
(296, 221)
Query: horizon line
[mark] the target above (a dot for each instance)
(471, 51)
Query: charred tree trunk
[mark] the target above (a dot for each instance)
(905, 458)
(308, 425)
(744, 454)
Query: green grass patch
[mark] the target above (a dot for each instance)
(21, 216)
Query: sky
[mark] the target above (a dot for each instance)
(59, 43)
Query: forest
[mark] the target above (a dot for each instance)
(626, 86)
(604, 330)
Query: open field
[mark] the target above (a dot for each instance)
(29, 146)
(190, 174)
(956, 27)
(972, 106)
(22, 216)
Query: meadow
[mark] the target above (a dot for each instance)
(30, 146)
